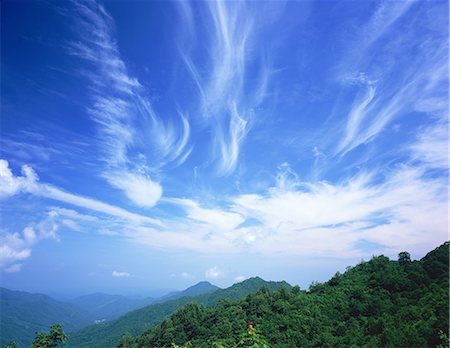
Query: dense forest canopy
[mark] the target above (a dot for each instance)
(379, 303)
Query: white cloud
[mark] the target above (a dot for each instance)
(9, 255)
(28, 183)
(325, 219)
(139, 189)
(240, 278)
(11, 184)
(72, 214)
(226, 105)
(432, 146)
(406, 208)
(218, 219)
(131, 134)
(390, 89)
(187, 275)
(16, 247)
(314, 218)
(17, 267)
(358, 113)
(73, 225)
(55, 193)
(120, 274)
(214, 273)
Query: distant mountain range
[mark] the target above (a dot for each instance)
(107, 307)
(22, 314)
(136, 322)
(199, 288)
(378, 303)
(401, 303)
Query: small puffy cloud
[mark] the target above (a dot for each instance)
(214, 273)
(120, 274)
(11, 184)
(17, 246)
(187, 275)
(11, 254)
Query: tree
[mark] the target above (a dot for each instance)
(252, 339)
(403, 258)
(126, 341)
(55, 338)
(10, 344)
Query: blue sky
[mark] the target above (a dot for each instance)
(155, 144)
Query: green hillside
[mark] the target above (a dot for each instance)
(379, 303)
(202, 287)
(136, 322)
(22, 314)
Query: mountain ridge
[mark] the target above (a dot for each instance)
(107, 334)
(377, 303)
(19, 310)
(23, 314)
(196, 289)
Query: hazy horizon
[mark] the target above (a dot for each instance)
(152, 145)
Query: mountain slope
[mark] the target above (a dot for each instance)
(23, 313)
(379, 303)
(107, 307)
(107, 334)
(197, 289)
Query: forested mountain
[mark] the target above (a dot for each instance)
(379, 303)
(22, 314)
(136, 322)
(197, 289)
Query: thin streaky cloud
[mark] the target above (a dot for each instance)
(355, 118)
(29, 184)
(130, 131)
(388, 97)
(224, 103)
(220, 134)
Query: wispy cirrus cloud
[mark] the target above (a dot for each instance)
(135, 141)
(406, 210)
(323, 218)
(17, 246)
(383, 86)
(431, 148)
(228, 92)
